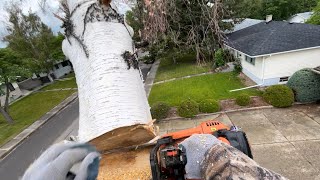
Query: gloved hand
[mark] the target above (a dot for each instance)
(56, 162)
(196, 146)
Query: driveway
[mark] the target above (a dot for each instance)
(284, 140)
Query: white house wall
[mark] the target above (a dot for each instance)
(254, 72)
(62, 70)
(285, 65)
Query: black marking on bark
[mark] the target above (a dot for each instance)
(68, 26)
(131, 60)
(78, 5)
(101, 13)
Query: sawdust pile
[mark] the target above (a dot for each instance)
(132, 165)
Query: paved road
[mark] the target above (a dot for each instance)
(13, 166)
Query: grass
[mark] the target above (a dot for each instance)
(213, 86)
(62, 84)
(70, 75)
(28, 110)
(185, 66)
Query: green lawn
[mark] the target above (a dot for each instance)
(213, 86)
(62, 84)
(70, 75)
(185, 66)
(28, 110)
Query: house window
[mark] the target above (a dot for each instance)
(284, 79)
(251, 60)
(56, 66)
(65, 63)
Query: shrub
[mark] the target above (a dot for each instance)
(243, 100)
(160, 110)
(209, 106)
(188, 109)
(306, 85)
(279, 96)
(237, 66)
(219, 58)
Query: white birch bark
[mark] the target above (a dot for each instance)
(110, 95)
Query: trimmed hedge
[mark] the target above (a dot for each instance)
(243, 100)
(280, 96)
(209, 106)
(188, 109)
(305, 85)
(160, 110)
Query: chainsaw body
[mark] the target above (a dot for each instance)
(168, 158)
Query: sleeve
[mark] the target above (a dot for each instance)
(225, 162)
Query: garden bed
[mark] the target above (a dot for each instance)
(227, 105)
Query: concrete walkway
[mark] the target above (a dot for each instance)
(284, 140)
(148, 83)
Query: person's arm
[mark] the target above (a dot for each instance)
(225, 162)
(210, 159)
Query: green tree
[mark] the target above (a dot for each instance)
(315, 18)
(11, 67)
(258, 9)
(33, 40)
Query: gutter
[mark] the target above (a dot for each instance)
(316, 47)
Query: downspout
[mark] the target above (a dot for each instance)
(258, 85)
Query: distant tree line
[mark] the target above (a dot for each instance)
(280, 9)
(32, 48)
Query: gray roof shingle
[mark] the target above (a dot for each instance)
(274, 37)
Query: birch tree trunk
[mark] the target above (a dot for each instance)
(114, 110)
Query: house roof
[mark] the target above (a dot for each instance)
(305, 15)
(274, 37)
(316, 70)
(244, 23)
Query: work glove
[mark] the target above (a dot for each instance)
(56, 163)
(196, 146)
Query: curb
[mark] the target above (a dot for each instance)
(18, 139)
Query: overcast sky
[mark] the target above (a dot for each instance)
(31, 5)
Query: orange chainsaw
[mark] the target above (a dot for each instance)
(168, 159)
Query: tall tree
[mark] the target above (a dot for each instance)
(193, 24)
(11, 66)
(31, 39)
(315, 18)
(114, 110)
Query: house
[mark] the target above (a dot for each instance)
(300, 18)
(59, 70)
(241, 24)
(15, 92)
(271, 52)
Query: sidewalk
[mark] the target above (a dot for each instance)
(150, 78)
